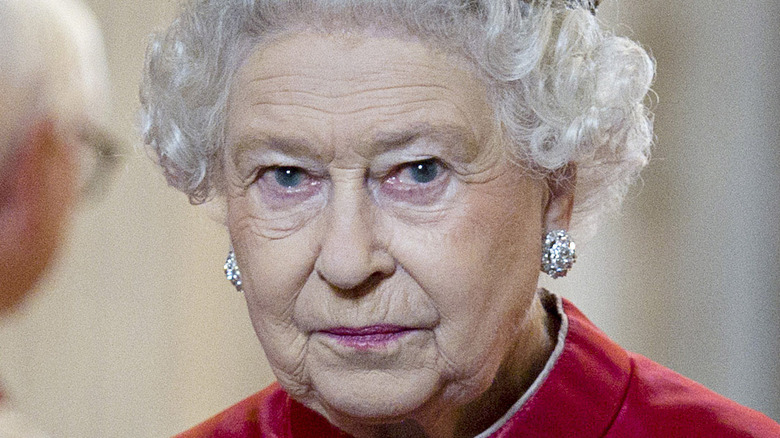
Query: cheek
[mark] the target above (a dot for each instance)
(479, 266)
(492, 240)
(273, 272)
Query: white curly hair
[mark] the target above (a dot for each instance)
(52, 65)
(565, 91)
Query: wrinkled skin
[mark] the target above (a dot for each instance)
(367, 184)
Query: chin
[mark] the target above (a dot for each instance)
(375, 397)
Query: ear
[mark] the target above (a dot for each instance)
(561, 185)
(38, 193)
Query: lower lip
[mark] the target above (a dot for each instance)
(367, 338)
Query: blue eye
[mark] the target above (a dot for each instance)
(289, 177)
(424, 172)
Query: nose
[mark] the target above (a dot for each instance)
(352, 254)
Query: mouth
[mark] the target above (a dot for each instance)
(369, 337)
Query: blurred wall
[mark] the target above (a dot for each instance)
(137, 334)
(688, 274)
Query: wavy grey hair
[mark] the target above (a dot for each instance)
(565, 91)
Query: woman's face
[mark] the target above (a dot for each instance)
(389, 250)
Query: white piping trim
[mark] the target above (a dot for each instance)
(562, 332)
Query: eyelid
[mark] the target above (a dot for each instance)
(271, 158)
(419, 150)
(391, 164)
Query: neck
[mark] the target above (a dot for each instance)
(516, 374)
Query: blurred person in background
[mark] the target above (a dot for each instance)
(394, 175)
(53, 147)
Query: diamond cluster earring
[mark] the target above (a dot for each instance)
(231, 271)
(558, 253)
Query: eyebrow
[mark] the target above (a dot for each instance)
(290, 146)
(459, 141)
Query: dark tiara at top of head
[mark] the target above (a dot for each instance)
(590, 5)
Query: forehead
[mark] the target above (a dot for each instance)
(366, 91)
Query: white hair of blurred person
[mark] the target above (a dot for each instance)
(53, 66)
(53, 95)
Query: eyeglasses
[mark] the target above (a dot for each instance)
(98, 157)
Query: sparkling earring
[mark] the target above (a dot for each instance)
(558, 253)
(231, 271)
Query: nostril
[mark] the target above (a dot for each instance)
(368, 285)
(353, 271)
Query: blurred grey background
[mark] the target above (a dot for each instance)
(137, 334)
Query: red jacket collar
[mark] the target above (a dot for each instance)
(586, 384)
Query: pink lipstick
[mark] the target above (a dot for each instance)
(365, 338)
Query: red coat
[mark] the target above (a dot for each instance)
(591, 387)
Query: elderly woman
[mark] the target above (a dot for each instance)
(393, 174)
